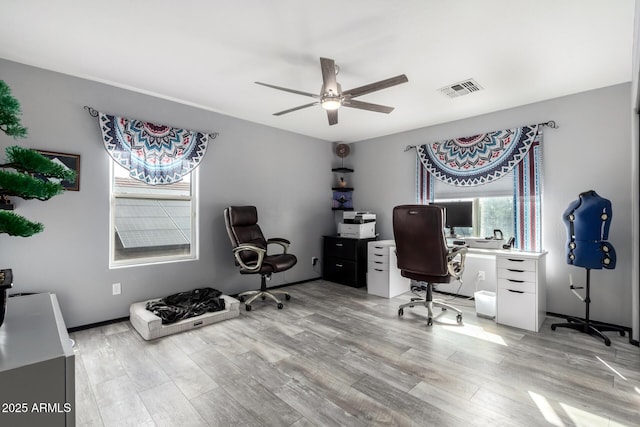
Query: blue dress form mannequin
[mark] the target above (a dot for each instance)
(587, 221)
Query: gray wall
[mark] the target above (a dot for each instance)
(287, 176)
(591, 150)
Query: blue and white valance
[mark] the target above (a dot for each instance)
(155, 154)
(484, 158)
(477, 159)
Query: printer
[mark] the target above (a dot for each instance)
(357, 225)
(358, 217)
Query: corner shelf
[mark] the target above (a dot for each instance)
(342, 190)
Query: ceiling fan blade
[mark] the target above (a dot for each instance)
(353, 103)
(332, 115)
(279, 113)
(329, 83)
(372, 87)
(299, 92)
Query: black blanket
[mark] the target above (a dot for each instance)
(186, 304)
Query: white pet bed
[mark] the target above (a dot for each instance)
(150, 326)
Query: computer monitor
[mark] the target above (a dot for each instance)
(457, 214)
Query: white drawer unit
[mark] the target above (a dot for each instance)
(521, 297)
(383, 277)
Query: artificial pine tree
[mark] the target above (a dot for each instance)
(26, 173)
(20, 177)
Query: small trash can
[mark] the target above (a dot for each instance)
(485, 304)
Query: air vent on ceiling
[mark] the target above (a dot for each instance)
(464, 87)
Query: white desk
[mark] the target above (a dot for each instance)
(517, 278)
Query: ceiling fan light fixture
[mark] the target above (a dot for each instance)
(331, 97)
(331, 103)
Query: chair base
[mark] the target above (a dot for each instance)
(589, 327)
(429, 303)
(264, 294)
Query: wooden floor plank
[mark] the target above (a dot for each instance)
(86, 409)
(120, 404)
(218, 408)
(169, 407)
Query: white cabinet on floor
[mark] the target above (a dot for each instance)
(37, 368)
(521, 299)
(383, 277)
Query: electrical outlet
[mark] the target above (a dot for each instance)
(116, 288)
(480, 275)
(314, 260)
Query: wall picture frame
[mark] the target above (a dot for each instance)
(70, 161)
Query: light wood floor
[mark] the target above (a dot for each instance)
(336, 356)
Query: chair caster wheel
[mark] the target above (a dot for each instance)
(287, 297)
(280, 305)
(247, 307)
(459, 318)
(553, 327)
(621, 333)
(430, 322)
(401, 312)
(263, 297)
(443, 308)
(241, 299)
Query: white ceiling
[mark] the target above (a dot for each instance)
(208, 53)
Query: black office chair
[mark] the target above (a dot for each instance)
(423, 255)
(250, 252)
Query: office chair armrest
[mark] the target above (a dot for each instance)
(253, 248)
(458, 250)
(280, 241)
(455, 265)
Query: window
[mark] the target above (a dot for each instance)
(151, 224)
(489, 213)
(496, 213)
(492, 206)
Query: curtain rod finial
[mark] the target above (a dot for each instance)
(92, 111)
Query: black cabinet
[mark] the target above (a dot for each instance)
(345, 260)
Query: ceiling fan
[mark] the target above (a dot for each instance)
(333, 97)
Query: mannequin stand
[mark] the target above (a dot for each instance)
(586, 325)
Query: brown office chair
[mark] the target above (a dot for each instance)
(423, 255)
(250, 251)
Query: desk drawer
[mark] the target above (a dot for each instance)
(378, 282)
(515, 263)
(517, 285)
(517, 309)
(386, 283)
(517, 275)
(378, 264)
(378, 255)
(340, 247)
(340, 270)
